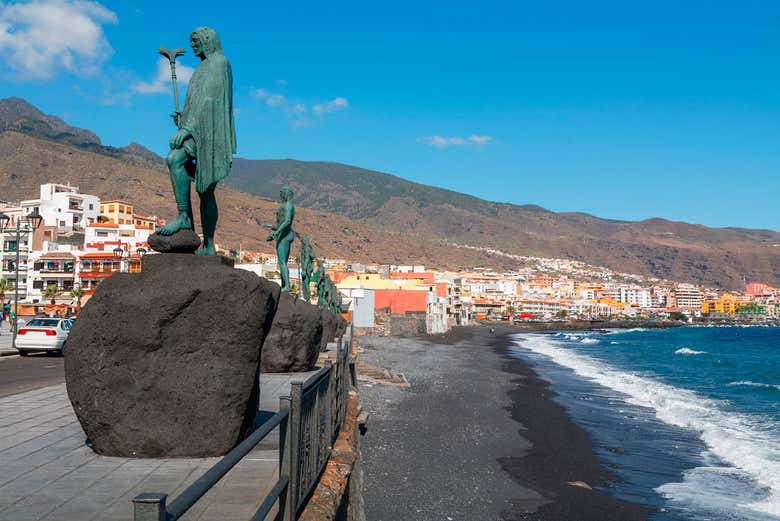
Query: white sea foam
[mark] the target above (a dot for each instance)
(588, 340)
(752, 448)
(748, 383)
(614, 343)
(689, 351)
(617, 331)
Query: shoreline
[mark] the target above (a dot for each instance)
(562, 452)
(477, 435)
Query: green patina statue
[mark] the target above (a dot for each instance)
(306, 266)
(203, 147)
(322, 286)
(283, 234)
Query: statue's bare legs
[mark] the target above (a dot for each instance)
(177, 166)
(209, 213)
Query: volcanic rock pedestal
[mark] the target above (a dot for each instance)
(165, 363)
(293, 344)
(183, 241)
(330, 325)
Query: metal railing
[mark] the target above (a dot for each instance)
(309, 420)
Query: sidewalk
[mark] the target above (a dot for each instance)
(49, 474)
(5, 339)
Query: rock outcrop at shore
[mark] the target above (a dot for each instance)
(165, 363)
(293, 343)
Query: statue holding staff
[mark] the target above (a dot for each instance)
(283, 234)
(203, 147)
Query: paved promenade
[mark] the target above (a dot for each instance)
(5, 339)
(47, 473)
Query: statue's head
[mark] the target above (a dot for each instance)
(286, 193)
(205, 42)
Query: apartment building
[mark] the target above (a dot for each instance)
(64, 207)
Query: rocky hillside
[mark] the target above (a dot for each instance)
(371, 216)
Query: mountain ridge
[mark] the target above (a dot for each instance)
(424, 221)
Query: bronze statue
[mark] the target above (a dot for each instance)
(306, 267)
(283, 234)
(322, 286)
(203, 147)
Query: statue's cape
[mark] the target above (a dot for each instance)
(208, 116)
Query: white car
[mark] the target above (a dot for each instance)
(43, 334)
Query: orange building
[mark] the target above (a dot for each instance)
(401, 301)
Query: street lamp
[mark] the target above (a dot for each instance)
(32, 222)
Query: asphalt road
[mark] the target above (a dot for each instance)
(20, 374)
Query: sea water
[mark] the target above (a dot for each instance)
(688, 419)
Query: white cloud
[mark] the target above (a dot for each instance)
(331, 106)
(454, 141)
(40, 37)
(297, 112)
(271, 99)
(161, 84)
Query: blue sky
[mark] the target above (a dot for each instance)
(625, 110)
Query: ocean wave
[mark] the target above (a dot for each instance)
(588, 340)
(688, 351)
(748, 383)
(752, 449)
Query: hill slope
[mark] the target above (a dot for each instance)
(372, 216)
(673, 250)
(26, 162)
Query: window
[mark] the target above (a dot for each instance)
(102, 234)
(127, 233)
(37, 284)
(91, 206)
(62, 223)
(111, 208)
(121, 209)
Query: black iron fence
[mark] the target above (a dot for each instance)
(309, 420)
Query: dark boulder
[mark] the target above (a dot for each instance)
(330, 324)
(183, 241)
(165, 363)
(293, 343)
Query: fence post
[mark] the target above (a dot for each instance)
(293, 440)
(285, 458)
(149, 507)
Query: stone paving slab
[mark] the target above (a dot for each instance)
(47, 473)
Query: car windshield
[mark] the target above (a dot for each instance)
(42, 322)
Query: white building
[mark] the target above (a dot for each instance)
(9, 247)
(47, 269)
(687, 296)
(107, 236)
(65, 207)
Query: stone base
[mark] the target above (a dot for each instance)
(293, 344)
(330, 325)
(183, 241)
(165, 363)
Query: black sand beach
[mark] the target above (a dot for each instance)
(476, 436)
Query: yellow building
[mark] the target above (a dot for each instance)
(727, 303)
(117, 211)
(146, 222)
(375, 281)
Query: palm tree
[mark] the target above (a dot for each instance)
(77, 293)
(51, 292)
